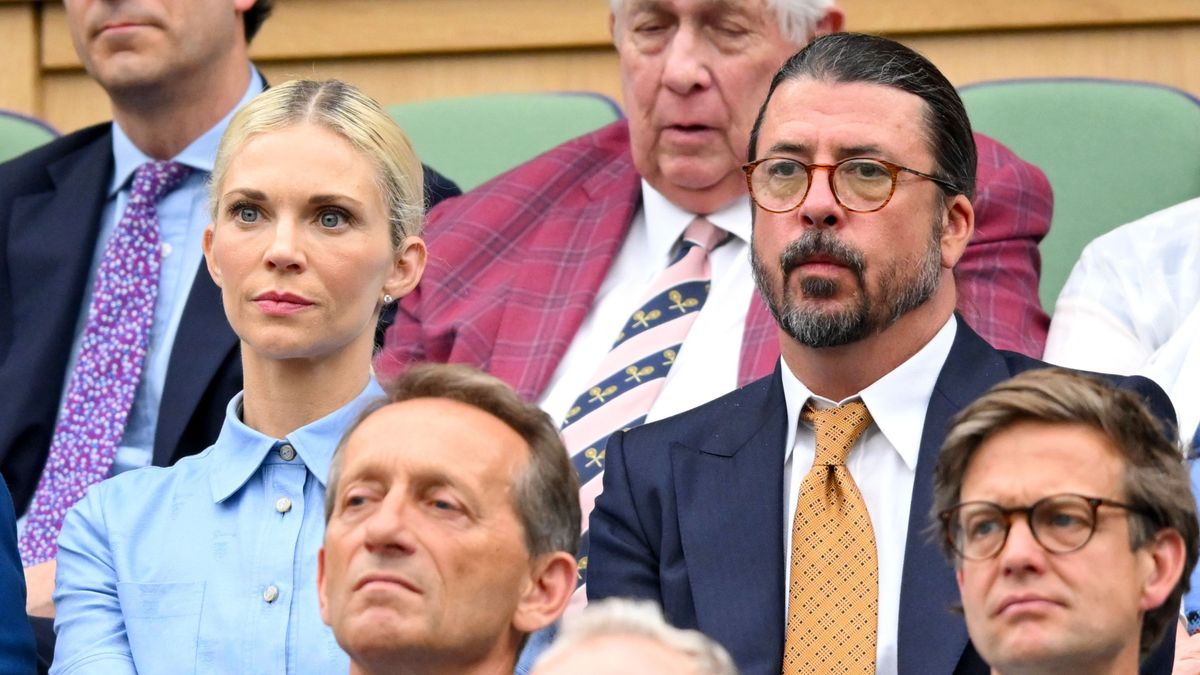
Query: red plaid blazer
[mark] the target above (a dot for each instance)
(515, 264)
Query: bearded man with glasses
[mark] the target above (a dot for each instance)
(1068, 516)
(786, 519)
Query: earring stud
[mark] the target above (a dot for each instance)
(387, 299)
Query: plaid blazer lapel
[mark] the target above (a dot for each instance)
(760, 342)
(563, 268)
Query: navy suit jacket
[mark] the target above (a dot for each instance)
(692, 517)
(16, 635)
(51, 200)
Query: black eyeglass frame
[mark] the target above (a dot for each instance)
(893, 169)
(946, 517)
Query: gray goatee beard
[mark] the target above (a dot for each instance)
(866, 315)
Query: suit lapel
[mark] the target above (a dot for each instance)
(567, 261)
(48, 280)
(729, 493)
(203, 342)
(928, 589)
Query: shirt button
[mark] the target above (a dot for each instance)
(283, 505)
(287, 452)
(166, 249)
(270, 594)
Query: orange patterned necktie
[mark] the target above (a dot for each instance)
(834, 596)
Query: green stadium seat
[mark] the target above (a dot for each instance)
(20, 134)
(474, 138)
(1113, 150)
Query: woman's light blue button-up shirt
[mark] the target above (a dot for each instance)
(209, 566)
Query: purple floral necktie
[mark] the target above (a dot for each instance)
(109, 365)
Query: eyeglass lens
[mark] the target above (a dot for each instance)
(1060, 524)
(858, 184)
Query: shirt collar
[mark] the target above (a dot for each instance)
(898, 401)
(240, 450)
(666, 222)
(199, 155)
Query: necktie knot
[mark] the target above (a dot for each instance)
(156, 178)
(704, 234)
(837, 430)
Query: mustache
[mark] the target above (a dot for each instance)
(820, 243)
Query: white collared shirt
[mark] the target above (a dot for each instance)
(883, 463)
(707, 366)
(1132, 306)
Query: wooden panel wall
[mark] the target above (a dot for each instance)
(402, 50)
(20, 78)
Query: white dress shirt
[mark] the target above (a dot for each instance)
(1132, 306)
(707, 366)
(883, 464)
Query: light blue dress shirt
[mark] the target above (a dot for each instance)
(182, 215)
(209, 566)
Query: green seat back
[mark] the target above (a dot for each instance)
(1113, 150)
(474, 138)
(20, 134)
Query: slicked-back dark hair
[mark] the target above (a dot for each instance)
(253, 18)
(856, 57)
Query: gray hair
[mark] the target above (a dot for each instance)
(797, 18)
(545, 495)
(620, 617)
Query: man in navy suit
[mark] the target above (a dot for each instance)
(175, 72)
(862, 209)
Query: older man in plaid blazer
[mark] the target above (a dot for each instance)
(532, 275)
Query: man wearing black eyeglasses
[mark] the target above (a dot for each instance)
(1069, 519)
(787, 519)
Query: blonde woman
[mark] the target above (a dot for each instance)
(210, 565)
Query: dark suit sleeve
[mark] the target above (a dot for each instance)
(621, 562)
(438, 187)
(16, 634)
(1155, 399)
(1160, 660)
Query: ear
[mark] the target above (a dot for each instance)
(549, 590)
(831, 22)
(1162, 559)
(959, 225)
(612, 27)
(958, 576)
(409, 264)
(243, 6)
(207, 244)
(321, 599)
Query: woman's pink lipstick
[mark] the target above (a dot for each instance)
(273, 303)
